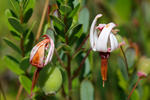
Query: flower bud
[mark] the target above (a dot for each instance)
(143, 67)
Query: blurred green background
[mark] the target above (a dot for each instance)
(133, 20)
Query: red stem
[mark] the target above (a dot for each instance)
(83, 42)
(81, 65)
(35, 78)
(134, 88)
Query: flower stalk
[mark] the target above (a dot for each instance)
(35, 78)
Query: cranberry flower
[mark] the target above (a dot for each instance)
(103, 40)
(37, 56)
(40, 56)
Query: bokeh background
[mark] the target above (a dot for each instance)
(133, 20)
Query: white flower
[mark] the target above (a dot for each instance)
(100, 42)
(37, 55)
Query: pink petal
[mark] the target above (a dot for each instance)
(50, 53)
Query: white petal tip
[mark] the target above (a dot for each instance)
(99, 15)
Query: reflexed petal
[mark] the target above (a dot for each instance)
(34, 50)
(113, 42)
(38, 57)
(100, 26)
(101, 43)
(36, 47)
(50, 53)
(93, 32)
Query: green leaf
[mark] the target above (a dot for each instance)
(29, 4)
(70, 3)
(59, 2)
(74, 11)
(61, 38)
(50, 32)
(75, 33)
(13, 59)
(84, 19)
(58, 25)
(26, 83)
(13, 13)
(24, 64)
(122, 82)
(29, 42)
(122, 67)
(13, 66)
(64, 9)
(15, 34)
(15, 24)
(57, 20)
(135, 95)
(28, 33)
(27, 15)
(131, 56)
(87, 68)
(10, 13)
(12, 45)
(15, 6)
(67, 47)
(86, 90)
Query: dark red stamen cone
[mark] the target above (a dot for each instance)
(104, 61)
(104, 69)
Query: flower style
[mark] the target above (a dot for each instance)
(103, 40)
(38, 56)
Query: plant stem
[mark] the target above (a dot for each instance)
(134, 88)
(35, 78)
(19, 92)
(22, 49)
(83, 42)
(69, 76)
(42, 20)
(125, 59)
(69, 62)
(63, 91)
(81, 65)
(60, 61)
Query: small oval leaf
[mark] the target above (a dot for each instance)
(15, 24)
(26, 83)
(64, 9)
(27, 15)
(13, 66)
(24, 64)
(74, 11)
(12, 45)
(84, 19)
(86, 90)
